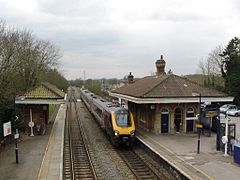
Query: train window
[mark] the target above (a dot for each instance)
(122, 119)
(98, 111)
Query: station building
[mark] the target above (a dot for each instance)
(166, 103)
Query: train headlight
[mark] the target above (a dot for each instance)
(132, 133)
(116, 132)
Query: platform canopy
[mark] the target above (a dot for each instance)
(45, 93)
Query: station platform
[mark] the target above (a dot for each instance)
(52, 163)
(180, 150)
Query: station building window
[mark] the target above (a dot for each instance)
(190, 112)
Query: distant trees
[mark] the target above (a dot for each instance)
(77, 82)
(94, 86)
(97, 86)
(224, 63)
(23, 58)
(211, 69)
(230, 68)
(8, 61)
(53, 76)
(112, 81)
(35, 57)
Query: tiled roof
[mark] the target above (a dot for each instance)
(166, 86)
(44, 91)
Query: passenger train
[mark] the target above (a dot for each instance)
(117, 122)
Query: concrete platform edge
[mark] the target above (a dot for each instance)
(62, 146)
(47, 147)
(171, 164)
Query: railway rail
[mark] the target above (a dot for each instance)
(139, 168)
(77, 161)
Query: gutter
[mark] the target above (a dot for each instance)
(166, 100)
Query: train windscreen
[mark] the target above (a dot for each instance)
(123, 119)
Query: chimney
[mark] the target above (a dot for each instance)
(130, 78)
(160, 65)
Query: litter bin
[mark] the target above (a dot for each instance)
(237, 153)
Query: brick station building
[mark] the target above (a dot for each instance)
(165, 103)
(36, 103)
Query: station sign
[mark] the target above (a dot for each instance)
(224, 139)
(199, 126)
(31, 124)
(211, 114)
(7, 129)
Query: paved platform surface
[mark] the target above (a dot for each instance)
(32, 151)
(40, 157)
(52, 163)
(181, 151)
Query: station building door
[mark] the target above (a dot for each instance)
(177, 119)
(164, 121)
(190, 122)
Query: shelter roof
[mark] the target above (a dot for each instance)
(45, 93)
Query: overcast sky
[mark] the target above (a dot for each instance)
(109, 38)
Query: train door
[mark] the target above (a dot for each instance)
(164, 121)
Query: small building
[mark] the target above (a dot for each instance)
(166, 103)
(36, 104)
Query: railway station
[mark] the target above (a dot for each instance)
(176, 152)
(86, 94)
(152, 133)
(149, 134)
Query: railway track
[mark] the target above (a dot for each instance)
(77, 161)
(139, 168)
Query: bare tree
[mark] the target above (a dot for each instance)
(8, 61)
(215, 59)
(36, 56)
(23, 58)
(211, 67)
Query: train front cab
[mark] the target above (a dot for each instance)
(123, 127)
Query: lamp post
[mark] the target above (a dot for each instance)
(226, 135)
(200, 120)
(218, 138)
(16, 135)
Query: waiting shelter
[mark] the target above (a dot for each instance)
(36, 103)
